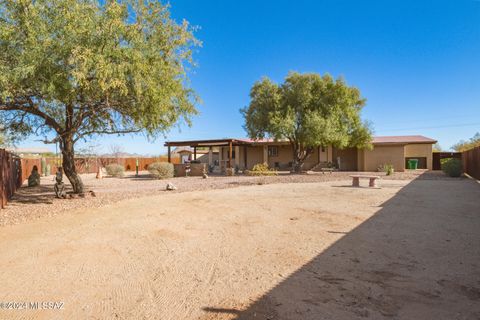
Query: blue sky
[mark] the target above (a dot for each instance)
(416, 62)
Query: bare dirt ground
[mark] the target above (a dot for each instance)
(319, 250)
(40, 202)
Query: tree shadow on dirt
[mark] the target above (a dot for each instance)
(416, 258)
(34, 195)
(140, 177)
(43, 194)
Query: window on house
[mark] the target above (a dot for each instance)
(273, 151)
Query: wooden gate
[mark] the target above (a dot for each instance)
(438, 156)
(10, 176)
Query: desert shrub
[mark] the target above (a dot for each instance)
(387, 168)
(229, 172)
(161, 170)
(452, 167)
(331, 165)
(261, 169)
(115, 170)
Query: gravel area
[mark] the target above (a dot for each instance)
(38, 202)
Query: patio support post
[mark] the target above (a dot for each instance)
(210, 156)
(245, 156)
(169, 155)
(237, 156)
(230, 154)
(194, 153)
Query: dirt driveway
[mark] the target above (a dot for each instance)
(285, 251)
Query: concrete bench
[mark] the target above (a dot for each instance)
(356, 180)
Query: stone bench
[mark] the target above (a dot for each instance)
(356, 180)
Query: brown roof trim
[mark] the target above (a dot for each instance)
(400, 143)
(206, 143)
(413, 139)
(381, 140)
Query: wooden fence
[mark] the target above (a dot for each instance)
(91, 165)
(10, 176)
(471, 162)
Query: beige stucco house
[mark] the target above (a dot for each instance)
(245, 153)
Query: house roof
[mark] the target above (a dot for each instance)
(402, 140)
(182, 149)
(207, 143)
(246, 141)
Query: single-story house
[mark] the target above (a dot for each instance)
(245, 153)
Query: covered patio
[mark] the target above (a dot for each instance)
(232, 152)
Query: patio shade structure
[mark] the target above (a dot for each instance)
(209, 143)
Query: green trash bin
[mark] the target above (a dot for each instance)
(412, 164)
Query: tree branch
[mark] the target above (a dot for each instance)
(28, 106)
(124, 131)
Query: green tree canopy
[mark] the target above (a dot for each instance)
(437, 147)
(473, 142)
(308, 110)
(77, 68)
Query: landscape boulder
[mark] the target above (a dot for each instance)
(170, 187)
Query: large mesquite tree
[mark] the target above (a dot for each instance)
(77, 68)
(309, 111)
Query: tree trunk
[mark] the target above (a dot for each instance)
(297, 159)
(69, 165)
(300, 154)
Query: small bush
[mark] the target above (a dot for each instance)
(261, 169)
(115, 170)
(230, 172)
(387, 168)
(452, 167)
(161, 170)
